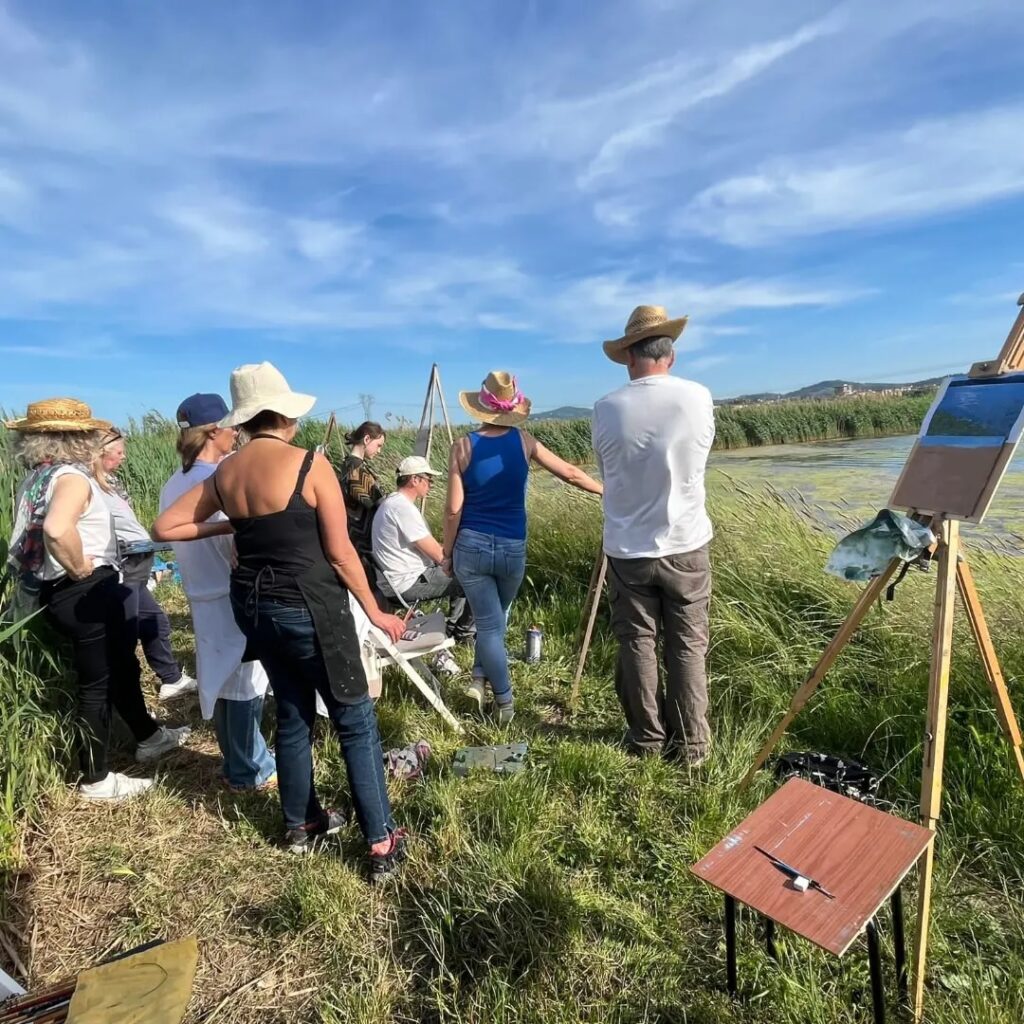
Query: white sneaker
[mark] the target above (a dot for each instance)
(186, 684)
(114, 787)
(162, 741)
(446, 665)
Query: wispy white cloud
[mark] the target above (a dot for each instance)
(596, 303)
(933, 167)
(675, 86)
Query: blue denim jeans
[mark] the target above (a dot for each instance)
(247, 761)
(490, 570)
(285, 641)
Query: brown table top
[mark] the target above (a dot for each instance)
(857, 853)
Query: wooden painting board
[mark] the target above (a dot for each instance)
(856, 852)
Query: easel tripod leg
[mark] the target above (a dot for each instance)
(870, 594)
(990, 661)
(935, 740)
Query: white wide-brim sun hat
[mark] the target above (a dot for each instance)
(261, 387)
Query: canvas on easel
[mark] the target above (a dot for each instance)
(965, 444)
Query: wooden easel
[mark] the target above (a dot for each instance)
(425, 434)
(590, 608)
(954, 574)
(332, 424)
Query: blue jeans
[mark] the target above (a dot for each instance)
(247, 761)
(490, 570)
(285, 641)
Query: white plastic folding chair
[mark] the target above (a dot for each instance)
(426, 636)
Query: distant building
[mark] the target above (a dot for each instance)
(841, 390)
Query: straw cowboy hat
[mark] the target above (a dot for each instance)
(644, 322)
(57, 415)
(261, 387)
(498, 402)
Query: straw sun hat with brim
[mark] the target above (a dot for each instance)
(644, 322)
(498, 402)
(261, 387)
(57, 416)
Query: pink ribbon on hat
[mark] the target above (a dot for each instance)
(502, 404)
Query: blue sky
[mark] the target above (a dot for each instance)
(353, 191)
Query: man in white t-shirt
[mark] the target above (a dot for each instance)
(652, 439)
(407, 555)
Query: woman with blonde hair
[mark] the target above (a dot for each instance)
(485, 521)
(290, 596)
(64, 541)
(231, 688)
(135, 549)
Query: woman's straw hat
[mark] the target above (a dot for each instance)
(644, 322)
(57, 415)
(499, 401)
(261, 387)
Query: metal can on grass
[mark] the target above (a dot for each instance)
(534, 644)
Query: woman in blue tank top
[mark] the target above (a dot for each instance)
(485, 521)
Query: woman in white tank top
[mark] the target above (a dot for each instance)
(81, 589)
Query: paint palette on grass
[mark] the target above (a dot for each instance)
(966, 442)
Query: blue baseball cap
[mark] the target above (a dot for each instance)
(199, 410)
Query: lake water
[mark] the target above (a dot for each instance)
(843, 483)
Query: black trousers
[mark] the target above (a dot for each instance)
(154, 631)
(91, 614)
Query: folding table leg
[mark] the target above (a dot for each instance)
(875, 960)
(902, 983)
(730, 945)
(769, 938)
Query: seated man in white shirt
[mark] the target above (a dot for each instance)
(407, 555)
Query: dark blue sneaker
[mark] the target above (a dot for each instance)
(308, 837)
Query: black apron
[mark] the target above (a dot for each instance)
(280, 557)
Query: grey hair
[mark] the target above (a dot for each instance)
(654, 349)
(70, 447)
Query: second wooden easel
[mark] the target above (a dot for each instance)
(590, 608)
(425, 434)
(953, 574)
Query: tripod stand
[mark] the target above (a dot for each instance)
(954, 574)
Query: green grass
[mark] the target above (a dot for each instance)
(561, 895)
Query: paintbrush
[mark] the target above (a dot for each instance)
(788, 869)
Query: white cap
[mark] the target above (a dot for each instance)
(416, 465)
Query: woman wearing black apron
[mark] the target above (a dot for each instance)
(290, 596)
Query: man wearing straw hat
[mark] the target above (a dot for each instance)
(652, 439)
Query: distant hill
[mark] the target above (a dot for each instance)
(827, 388)
(564, 412)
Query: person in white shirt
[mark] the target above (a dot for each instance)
(141, 607)
(63, 545)
(652, 439)
(231, 689)
(407, 555)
